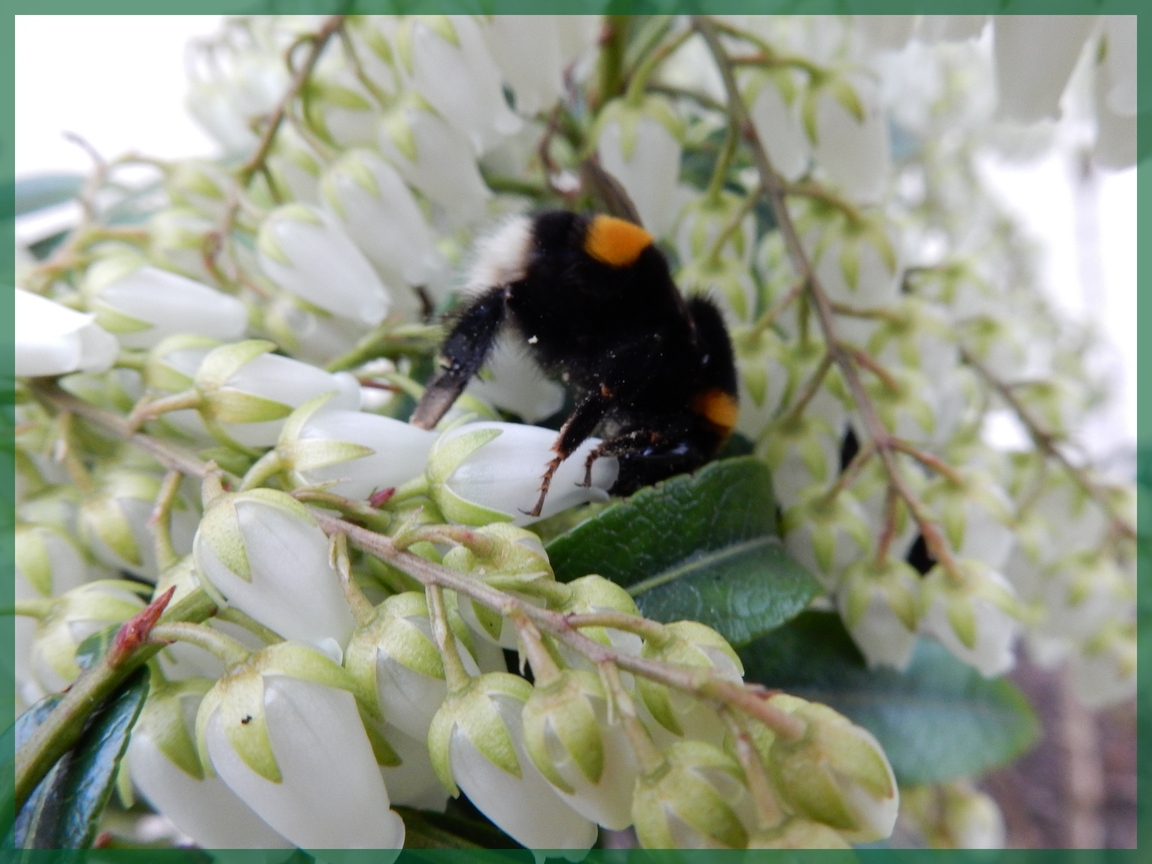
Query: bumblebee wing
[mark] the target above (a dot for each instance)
(467, 347)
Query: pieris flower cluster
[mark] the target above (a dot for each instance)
(271, 325)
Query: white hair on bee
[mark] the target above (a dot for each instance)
(501, 257)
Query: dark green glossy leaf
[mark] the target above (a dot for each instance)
(700, 546)
(95, 646)
(38, 193)
(63, 811)
(938, 720)
(460, 827)
(11, 741)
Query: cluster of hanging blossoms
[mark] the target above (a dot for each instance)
(213, 394)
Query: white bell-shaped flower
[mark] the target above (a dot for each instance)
(199, 185)
(115, 522)
(246, 392)
(589, 761)
(1034, 57)
(639, 145)
(306, 252)
(975, 617)
(849, 135)
(164, 765)
(513, 382)
(774, 108)
(434, 157)
(477, 746)
(359, 453)
(382, 217)
(261, 552)
(526, 48)
(51, 339)
(177, 236)
(826, 534)
(412, 783)
(214, 106)
(484, 472)
(878, 603)
(976, 516)
(395, 657)
(1104, 668)
(143, 304)
(295, 166)
(284, 732)
(449, 65)
(47, 560)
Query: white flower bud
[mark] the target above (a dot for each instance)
(47, 561)
(450, 66)
(395, 657)
(1034, 57)
(590, 595)
(248, 392)
(434, 157)
(855, 258)
(177, 241)
(589, 762)
(878, 603)
(836, 773)
(481, 472)
(215, 107)
(73, 617)
(310, 334)
(975, 619)
(849, 134)
(477, 746)
(363, 453)
(199, 185)
(51, 339)
(688, 643)
(826, 535)
(305, 252)
(702, 221)
(295, 166)
(143, 305)
(639, 145)
(1104, 668)
(284, 732)
(725, 278)
(412, 783)
(772, 97)
(115, 522)
(527, 50)
(976, 517)
(262, 553)
(796, 832)
(802, 452)
(165, 767)
(381, 216)
(696, 800)
(763, 378)
(337, 106)
(513, 382)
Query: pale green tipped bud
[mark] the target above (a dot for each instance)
(199, 186)
(803, 452)
(47, 560)
(261, 552)
(774, 109)
(589, 595)
(796, 832)
(976, 617)
(588, 762)
(954, 816)
(976, 517)
(836, 773)
(177, 241)
(879, 605)
(396, 659)
(688, 643)
(284, 731)
(695, 800)
(477, 746)
(73, 617)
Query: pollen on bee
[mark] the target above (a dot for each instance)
(717, 407)
(615, 242)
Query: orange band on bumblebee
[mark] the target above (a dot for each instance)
(615, 242)
(717, 407)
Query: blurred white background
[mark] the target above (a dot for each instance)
(119, 81)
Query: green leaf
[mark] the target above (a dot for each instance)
(12, 740)
(460, 827)
(938, 720)
(39, 193)
(63, 811)
(703, 547)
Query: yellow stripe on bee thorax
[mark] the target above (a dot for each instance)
(615, 242)
(720, 409)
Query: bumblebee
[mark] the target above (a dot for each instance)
(593, 301)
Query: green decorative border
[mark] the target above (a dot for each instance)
(571, 7)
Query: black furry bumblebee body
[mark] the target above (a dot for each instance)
(594, 302)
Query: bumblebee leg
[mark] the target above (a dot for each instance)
(465, 350)
(621, 444)
(573, 433)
